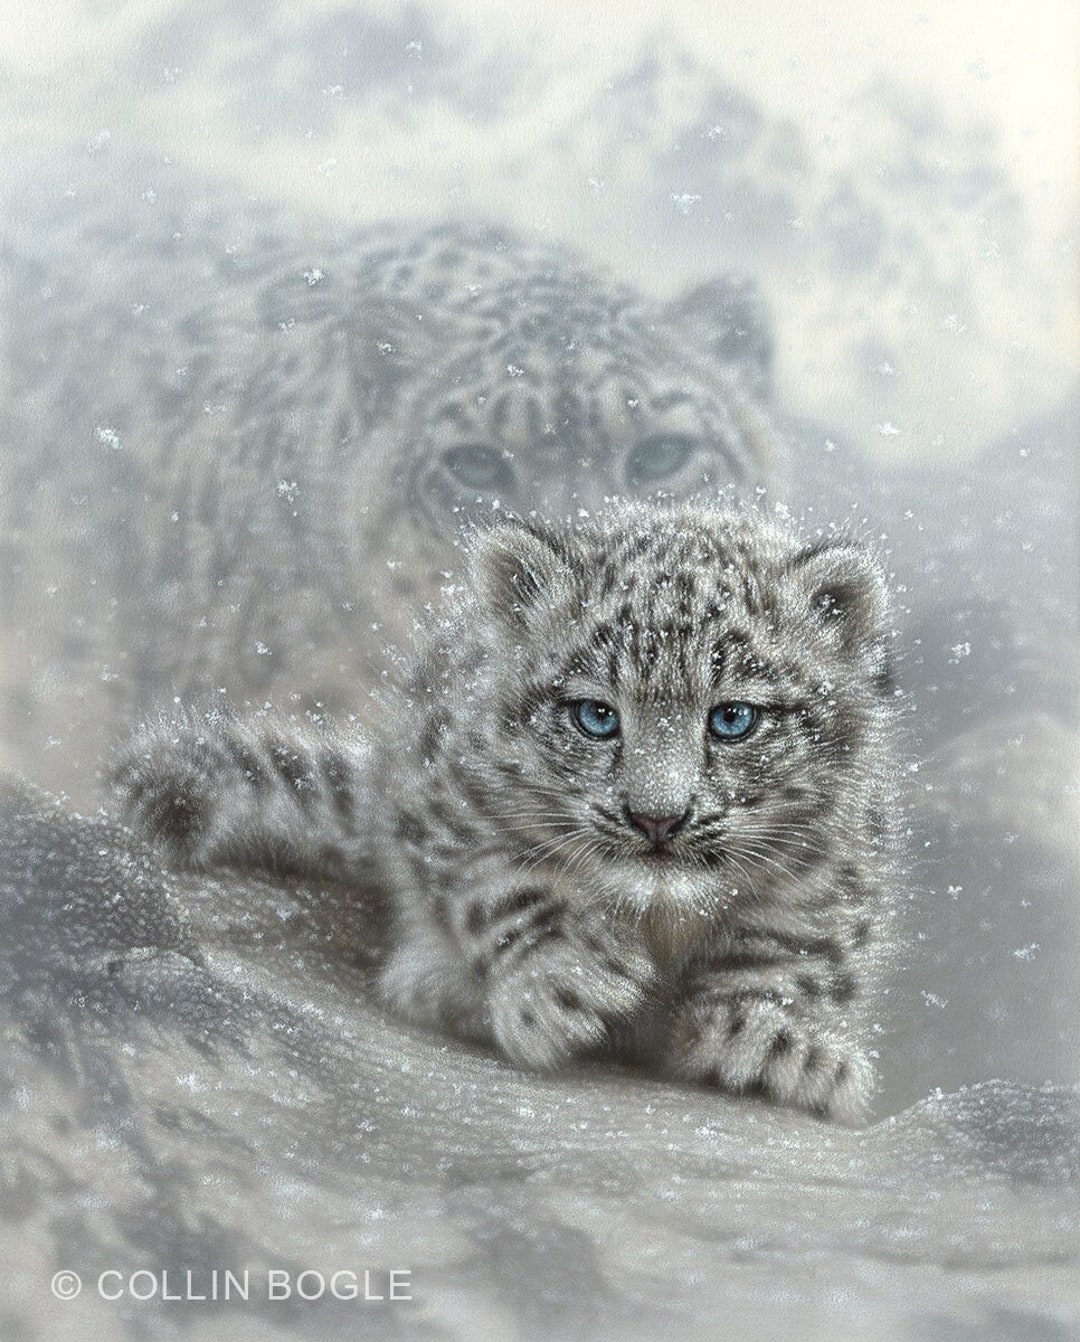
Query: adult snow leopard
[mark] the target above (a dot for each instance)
(636, 794)
(242, 468)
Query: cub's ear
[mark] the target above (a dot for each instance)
(514, 566)
(728, 318)
(841, 586)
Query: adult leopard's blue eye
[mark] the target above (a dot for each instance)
(477, 466)
(596, 719)
(731, 722)
(658, 457)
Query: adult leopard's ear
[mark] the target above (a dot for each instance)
(728, 318)
(515, 565)
(841, 588)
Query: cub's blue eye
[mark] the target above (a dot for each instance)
(596, 719)
(731, 722)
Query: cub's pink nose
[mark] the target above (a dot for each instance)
(659, 828)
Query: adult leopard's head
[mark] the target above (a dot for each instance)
(552, 389)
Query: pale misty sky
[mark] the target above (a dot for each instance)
(1014, 62)
(1002, 74)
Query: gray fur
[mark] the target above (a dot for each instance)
(260, 792)
(532, 909)
(261, 458)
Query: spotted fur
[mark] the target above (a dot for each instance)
(218, 790)
(711, 907)
(251, 473)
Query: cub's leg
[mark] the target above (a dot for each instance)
(494, 956)
(769, 1018)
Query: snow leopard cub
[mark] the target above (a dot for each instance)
(636, 798)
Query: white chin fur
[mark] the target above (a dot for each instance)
(636, 886)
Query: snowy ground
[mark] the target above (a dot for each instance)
(218, 1092)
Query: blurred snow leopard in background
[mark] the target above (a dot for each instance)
(249, 481)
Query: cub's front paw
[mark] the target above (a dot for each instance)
(168, 790)
(755, 1047)
(563, 998)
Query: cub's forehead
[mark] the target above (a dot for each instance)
(735, 554)
(690, 598)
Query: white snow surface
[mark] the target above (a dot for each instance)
(197, 1079)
